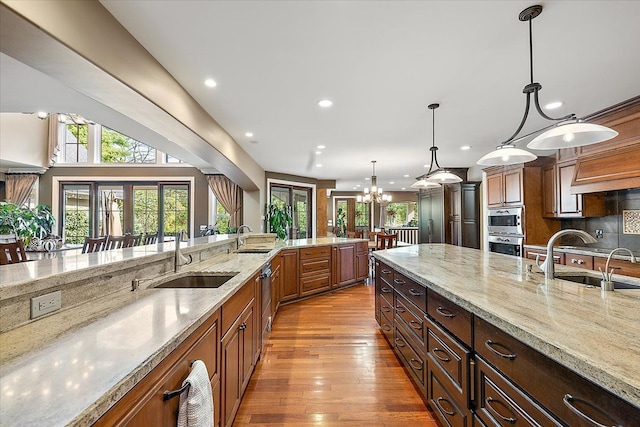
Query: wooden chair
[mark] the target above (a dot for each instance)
(12, 253)
(386, 241)
(351, 234)
(150, 239)
(131, 240)
(372, 236)
(8, 238)
(114, 242)
(94, 244)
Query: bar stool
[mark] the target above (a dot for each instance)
(12, 253)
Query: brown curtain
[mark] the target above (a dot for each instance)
(18, 187)
(229, 195)
(52, 143)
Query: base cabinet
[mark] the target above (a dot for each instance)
(344, 264)
(362, 261)
(289, 275)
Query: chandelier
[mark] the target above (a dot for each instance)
(376, 194)
(567, 131)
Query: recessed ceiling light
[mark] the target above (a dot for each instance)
(42, 115)
(391, 182)
(321, 147)
(318, 165)
(318, 152)
(325, 103)
(465, 147)
(358, 185)
(210, 83)
(553, 105)
(406, 175)
(366, 179)
(403, 188)
(248, 134)
(426, 166)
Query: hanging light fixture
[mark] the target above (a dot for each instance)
(376, 194)
(438, 175)
(568, 131)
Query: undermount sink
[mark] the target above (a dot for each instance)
(199, 280)
(253, 250)
(592, 281)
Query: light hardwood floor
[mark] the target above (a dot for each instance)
(326, 364)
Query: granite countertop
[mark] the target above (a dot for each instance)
(586, 250)
(595, 334)
(75, 378)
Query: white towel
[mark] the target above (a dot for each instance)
(196, 404)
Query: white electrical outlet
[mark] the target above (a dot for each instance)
(46, 303)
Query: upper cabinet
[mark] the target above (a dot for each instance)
(557, 199)
(505, 188)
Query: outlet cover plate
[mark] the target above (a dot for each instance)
(45, 304)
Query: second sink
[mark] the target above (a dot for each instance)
(199, 280)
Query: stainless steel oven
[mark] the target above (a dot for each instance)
(504, 244)
(505, 221)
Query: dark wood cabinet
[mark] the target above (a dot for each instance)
(470, 214)
(344, 267)
(621, 267)
(289, 275)
(532, 254)
(362, 261)
(275, 285)
(505, 188)
(431, 216)
(315, 270)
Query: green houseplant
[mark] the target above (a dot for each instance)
(280, 219)
(25, 223)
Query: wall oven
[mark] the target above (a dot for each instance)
(505, 221)
(504, 244)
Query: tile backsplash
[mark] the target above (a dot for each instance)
(619, 206)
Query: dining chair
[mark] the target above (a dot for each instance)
(351, 234)
(131, 240)
(150, 239)
(94, 244)
(12, 253)
(386, 241)
(8, 238)
(114, 242)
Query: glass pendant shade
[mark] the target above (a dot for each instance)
(444, 177)
(573, 134)
(506, 155)
(423, 183)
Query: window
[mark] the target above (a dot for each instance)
(75, 213)
(110, 210)
(175, 208)
(340, 228)
(145, 209)
(171, 160)
(118, 148)
(222, 218)
(75, 141)
(401, 214)
(363, 216)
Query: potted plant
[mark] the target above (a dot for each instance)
(27, 224)
(279, 219)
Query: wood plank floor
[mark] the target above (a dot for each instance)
(327, 364)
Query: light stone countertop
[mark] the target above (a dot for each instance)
(74, 378)
(595, 334)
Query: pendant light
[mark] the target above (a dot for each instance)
(437, 175)
(568, 131)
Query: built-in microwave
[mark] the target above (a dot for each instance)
(503, 244)
(505, 221)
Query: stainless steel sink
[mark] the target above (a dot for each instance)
(199, 280)
(593, 281)
(253, 250)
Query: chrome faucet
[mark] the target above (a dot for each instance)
(547, 266)
(180, 259)
(239, 237)
(607, 283)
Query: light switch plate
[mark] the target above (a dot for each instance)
(45, 304)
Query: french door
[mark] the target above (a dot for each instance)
(298, 199)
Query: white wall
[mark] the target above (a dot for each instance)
(23, 140)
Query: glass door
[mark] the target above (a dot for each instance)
(299, 200)
(175, 209)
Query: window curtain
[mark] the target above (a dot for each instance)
(18, 187)
(229, 195)
(52, 143)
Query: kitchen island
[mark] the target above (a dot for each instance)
(591, 333)
(71, 366)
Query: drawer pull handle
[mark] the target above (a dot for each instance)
(568, 400)
(399, 341)
(489, 344)
(386, 327)
(415, 293)
(399, 282)
(577, 261)
(385, 290)
(384, 270)
(416, 325)
(242, 327)
(445, 312)
(489, 406)
(417, 368)
(400, 309)
(444, 359)
(439, 401)
(386, 309)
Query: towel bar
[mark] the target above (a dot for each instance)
(171, 394)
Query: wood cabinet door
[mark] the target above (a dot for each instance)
(231, 373)
(345, 264)
(275, 288)
(549, 197)
(495, 192)
(289, 276)
(249, 336)
(362, 266)
(568, 204)
(513, 187)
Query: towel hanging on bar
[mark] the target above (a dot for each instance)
(196, 402)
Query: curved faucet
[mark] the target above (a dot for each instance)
(606, 275)
(547, 266)
(180, 259)
(241, 242)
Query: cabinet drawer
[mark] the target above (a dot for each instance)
(414, 322)
(387, 327)
(558, 258)
(414, 292)
(315, 252)
(412, 359)
(314, 284)
(454, 318)
(314, 266)
(236, 304)
(362, 248)
(582, 261)
(498, 402)
(450, 357)
(450, 412)
(386, 304)
(560, 390)
(622, 267)
(384, 272)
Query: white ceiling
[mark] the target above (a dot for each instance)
(382, 63)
